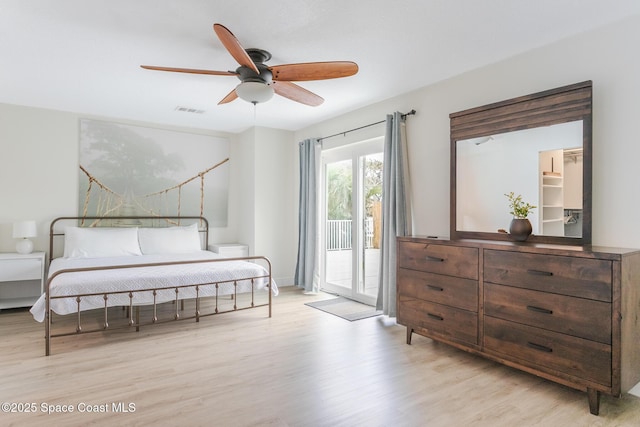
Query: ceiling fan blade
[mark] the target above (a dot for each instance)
(234, 47)
(313, 71)
(296, 93)
(190, 70)
(230, 97)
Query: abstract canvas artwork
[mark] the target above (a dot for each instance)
(132, 170)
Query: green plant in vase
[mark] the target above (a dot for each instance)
(520, 227)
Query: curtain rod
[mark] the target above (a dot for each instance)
(404, 116)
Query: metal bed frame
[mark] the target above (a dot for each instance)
(134, 321)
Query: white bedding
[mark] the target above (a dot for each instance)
(144, 278)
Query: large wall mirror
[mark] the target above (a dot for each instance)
(537, 146)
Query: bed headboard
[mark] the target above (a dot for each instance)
(57, 227)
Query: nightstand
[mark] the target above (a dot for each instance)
(21, 279)
(230, 250)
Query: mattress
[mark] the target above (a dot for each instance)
(146, 277)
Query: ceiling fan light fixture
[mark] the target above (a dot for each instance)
(254, 92)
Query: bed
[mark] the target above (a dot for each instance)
(132, 262)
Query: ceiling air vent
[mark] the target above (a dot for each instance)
(189, 110)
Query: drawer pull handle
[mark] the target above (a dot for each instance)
(540, 272)
(435, 288)
(435, 316)
(434, 258)
(539, 310)
(539, 347)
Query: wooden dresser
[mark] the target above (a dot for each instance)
(568, 314)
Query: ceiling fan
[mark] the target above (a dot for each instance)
(259, 81)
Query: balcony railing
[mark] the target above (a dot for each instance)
(339, 234)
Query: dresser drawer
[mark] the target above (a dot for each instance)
(447, 322)
(577, 357)
(20, 269)
(448, 290)
(440, 259)
(573, 276)
(579, 317)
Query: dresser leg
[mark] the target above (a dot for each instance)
(409, 332)
(594, 401)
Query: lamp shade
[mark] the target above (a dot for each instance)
(254, 92)
(24, 229)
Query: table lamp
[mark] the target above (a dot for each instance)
(23, 230)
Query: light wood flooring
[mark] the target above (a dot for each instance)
(302, 367)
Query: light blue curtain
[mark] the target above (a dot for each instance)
(306, 268)
(396, 209)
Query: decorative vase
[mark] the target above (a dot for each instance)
(520, 229)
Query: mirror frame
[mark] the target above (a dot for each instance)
(560, 105)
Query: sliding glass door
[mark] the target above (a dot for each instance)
(351, 219)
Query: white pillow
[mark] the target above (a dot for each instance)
(83, 242)
(169, 240)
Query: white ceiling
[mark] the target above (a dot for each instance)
(84, 55)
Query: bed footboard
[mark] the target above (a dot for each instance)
(181, 292)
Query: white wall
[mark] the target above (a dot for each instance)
(246, 176)
(39, 172)
(602, 56)
(273, 197)
(38, 169)
(267, 197)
